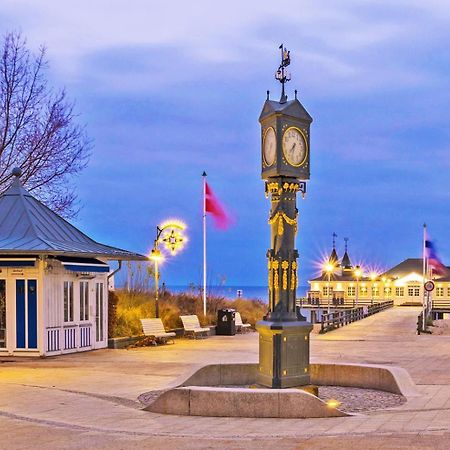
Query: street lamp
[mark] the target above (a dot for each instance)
(171, 235)
(358, 274)
(329, 268)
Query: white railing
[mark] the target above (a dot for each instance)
(69, 338)
(85, 335)
(53, 343)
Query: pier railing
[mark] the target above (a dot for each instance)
(335, 303)
(336, 319)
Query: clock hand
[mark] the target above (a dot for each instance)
(292, 148)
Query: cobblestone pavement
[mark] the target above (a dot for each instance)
(356, 400)
(90, 400)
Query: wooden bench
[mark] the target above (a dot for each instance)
(192, 326)
(240, 326)
(155, 328)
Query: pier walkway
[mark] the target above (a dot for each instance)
(89, 400)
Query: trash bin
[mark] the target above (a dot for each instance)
(226, 325)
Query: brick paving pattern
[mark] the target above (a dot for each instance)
(89, 400)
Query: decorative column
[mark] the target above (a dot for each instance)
(284, 333)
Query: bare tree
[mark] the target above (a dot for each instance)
(38, 129)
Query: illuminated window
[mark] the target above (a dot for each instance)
(439, 292)
(325, 290)
(363, 290)
(414, 291)
(399, 291)
(387, 291)
(375, 291)
(351, 291)
(68, 301)
(84, 300)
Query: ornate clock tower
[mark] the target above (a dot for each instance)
(284, 333)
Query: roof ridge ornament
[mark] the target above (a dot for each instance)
(16, 172)
(281, 75)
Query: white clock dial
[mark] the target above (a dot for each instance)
(269, 146)
(294, 146)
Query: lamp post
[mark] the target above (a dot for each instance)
(329, 268)
(358, 274)
(171, 235)
(157, 257)
(373, 277)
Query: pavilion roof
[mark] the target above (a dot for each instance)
(28, 226)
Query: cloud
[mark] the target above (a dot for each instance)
(170, 89)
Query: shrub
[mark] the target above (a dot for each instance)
(135, 305)
(132, 306)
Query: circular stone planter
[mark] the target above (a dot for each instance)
(203, 394)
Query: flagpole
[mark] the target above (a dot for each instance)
(424, 271)
(204, 243)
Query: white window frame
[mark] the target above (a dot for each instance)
(84, 300)
(68, 301)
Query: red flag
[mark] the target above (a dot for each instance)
(216, 209)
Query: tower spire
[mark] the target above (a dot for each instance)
(346, 264)
(333, 259)
(281, 74)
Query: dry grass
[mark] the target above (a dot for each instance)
(132, 306)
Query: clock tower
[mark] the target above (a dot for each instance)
(285, 159)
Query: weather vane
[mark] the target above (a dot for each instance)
(281, 74)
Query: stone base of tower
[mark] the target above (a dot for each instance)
(283, 353)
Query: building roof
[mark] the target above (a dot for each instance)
(346, 276)
(28, 226)
(346, 263)
(404, 268)
(333, 259)
(290, 108)
(411, 265)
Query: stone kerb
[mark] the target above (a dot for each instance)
(242, 402)
(203, 392)
(384, 378)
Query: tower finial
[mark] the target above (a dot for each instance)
(281, 75)
(17, 172)
(334, 240)
(346, 243)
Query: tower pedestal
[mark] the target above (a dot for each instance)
(283, 353)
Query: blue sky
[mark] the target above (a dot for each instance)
(169, 89)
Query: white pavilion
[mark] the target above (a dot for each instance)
(53, 280)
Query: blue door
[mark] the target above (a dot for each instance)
(20, 314)
(26, 314)
(32, 314)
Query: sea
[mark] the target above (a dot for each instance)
(232, 292)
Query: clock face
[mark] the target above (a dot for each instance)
(269, 146)
(294, 146)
